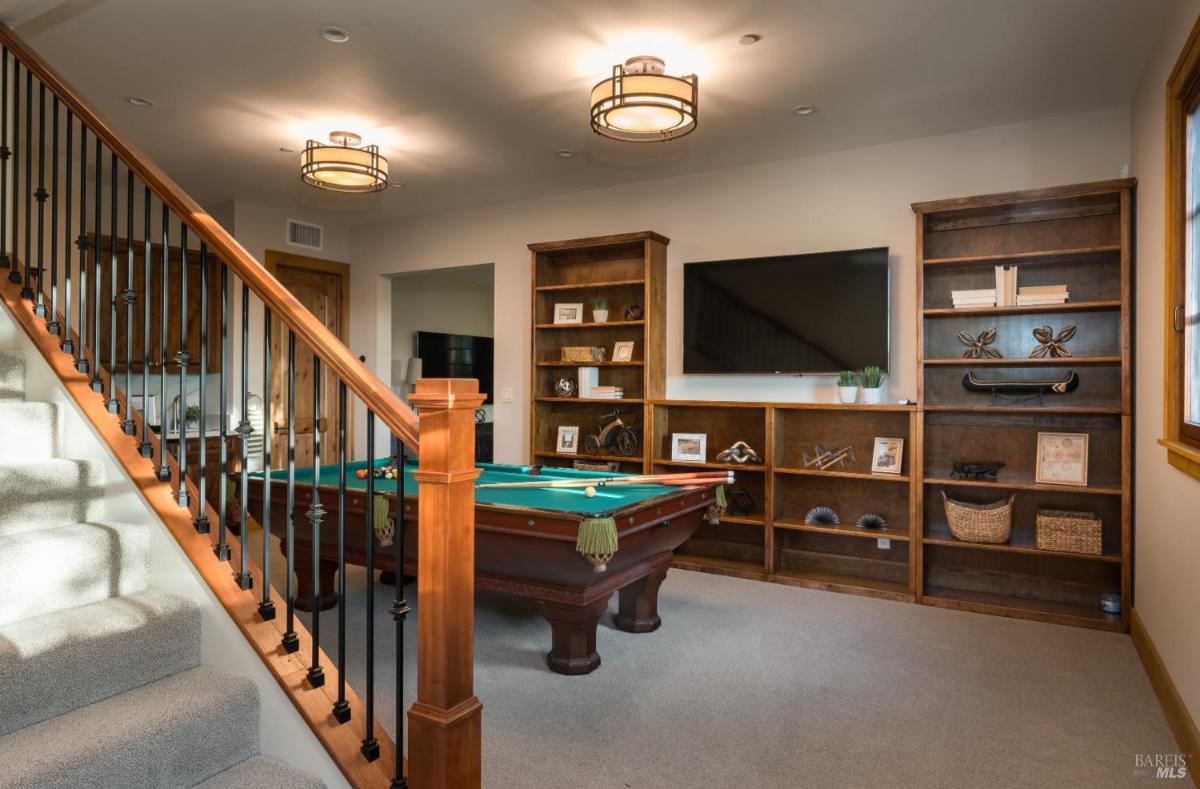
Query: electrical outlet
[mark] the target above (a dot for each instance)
(506, 394)
(883, 543)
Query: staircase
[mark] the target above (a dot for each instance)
(101, 681)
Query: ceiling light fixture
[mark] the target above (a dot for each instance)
(343, 166)
(334, 35)
(138, 101)
(565, 153)
(750, 39)
(640, 103)
(804, 109)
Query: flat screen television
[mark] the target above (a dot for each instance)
(456, 356)
(790, 314)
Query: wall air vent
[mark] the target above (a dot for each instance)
(304, 234)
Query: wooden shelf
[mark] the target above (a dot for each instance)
(837, 582)
(723, 466)
(939, 534)
(589, 400)
(1024, 484)
(844, 529)
(616, 283)
(583, 456)
(814, 472)
(710, 564)
(1024, 410)
(1023, 608)
(605, 325)
(1048, 254)
(590, 364)
(1070, 361)
(1074, 306)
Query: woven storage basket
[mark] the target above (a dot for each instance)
(1072, 532)
(582, 353)
(991, 523)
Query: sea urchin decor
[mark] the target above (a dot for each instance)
(872, 521)
(822, 516)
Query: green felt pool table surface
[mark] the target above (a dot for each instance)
(566, 500)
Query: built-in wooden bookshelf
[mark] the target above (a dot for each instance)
(627, 270)
(1078, 236)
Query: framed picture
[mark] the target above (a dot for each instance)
(623, 351)
(568, 440)
(568, 313)
(1062, 458)
(689, 447)
(888, 455)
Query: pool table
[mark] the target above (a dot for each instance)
(525, 544)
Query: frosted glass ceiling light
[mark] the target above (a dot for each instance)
(343, 166)
(640, 103)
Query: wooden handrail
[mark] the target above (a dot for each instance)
(389, 408)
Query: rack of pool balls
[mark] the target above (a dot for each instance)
(381, 472)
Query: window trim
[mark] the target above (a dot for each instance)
(1182, 440)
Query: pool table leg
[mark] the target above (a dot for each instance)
(638, 603)
(573, 629)
(327, 574)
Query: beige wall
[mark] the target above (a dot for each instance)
(1167, 547)
(844, 200)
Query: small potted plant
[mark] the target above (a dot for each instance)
(871, 379)
(600, 309)
(847, 386)
(191, 415)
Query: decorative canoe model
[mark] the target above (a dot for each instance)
(1069, 382)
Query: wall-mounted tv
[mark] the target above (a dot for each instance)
(456, 356)
(790, 314)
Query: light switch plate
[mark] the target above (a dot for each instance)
(883, 543)
(506, 394)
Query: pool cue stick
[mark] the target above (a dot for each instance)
(692, 478)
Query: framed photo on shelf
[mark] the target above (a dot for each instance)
(888, 456)
(1062, 458)
(568, 440)
(568, 313)
(623, 351)
(689, 447)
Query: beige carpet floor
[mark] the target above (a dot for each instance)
(760, 685)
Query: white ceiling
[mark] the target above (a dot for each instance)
(470, 99)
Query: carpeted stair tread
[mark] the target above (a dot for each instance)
(28, 431)
(178, 731)
(66, 566)
(262, 773)
(12, 375)
(60, 661)
(40, 493)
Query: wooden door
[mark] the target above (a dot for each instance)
(321, 287)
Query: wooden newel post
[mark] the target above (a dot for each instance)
(444, 721)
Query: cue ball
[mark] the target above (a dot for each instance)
(589, 491)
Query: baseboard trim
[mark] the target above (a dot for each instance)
(1178, 717)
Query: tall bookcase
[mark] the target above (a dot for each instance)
(1075, 235)
(627, 270)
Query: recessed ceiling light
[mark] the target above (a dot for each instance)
(750, 39)
(334, 35)
(804, 109)
(565, 153)
(138, 101)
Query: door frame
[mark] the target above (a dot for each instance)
(273, 258)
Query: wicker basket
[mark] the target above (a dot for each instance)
(990, 523)
(1071, 532)
(582, 353)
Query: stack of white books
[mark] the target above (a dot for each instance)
(965, 299)
(1006, 286)
(605, 393)
(1042, 294)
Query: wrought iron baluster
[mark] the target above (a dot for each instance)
(82, 242)
(164, 471)
(370, 745)
(316, 513)
(341, 708)
(201, 521)
(6, 260)
(243, 577)
(97, 272)
(113, 406)
(14, 272)
(399, 612)
(266, 607)
(291, 642)
(26, 263)
(182, 358)
(53, 326)
(145, 449)
(68, 345)
(40, 194)
(221, 549)
(129, 297)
